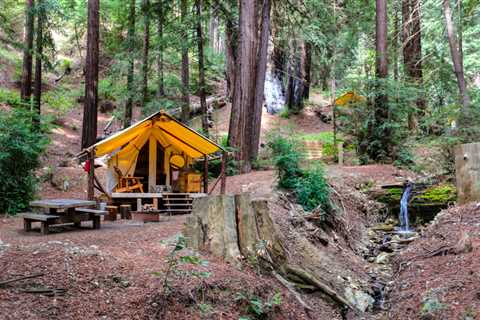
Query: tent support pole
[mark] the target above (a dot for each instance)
(223, 183)
(205, 174)
(91, 176)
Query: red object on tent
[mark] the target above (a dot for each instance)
(87, 166)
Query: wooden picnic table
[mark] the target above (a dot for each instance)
(62, 211)
(54, 205)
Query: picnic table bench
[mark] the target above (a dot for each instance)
(62, 211)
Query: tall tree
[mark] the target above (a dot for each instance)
(160, 74)
(26, 88)
(38, 58)
(201, 66)
(249, 81)
(381, 131)
(89, 128)
(146, 47)
(261, 69)
(131, 64)
(456, 56)
(185, 63)
(412, 49)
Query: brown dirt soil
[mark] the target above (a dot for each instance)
(109, 274)
(452, 280)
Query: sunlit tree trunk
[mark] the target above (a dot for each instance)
(456, 56)
(131, 64)
(261, 70)
(89, 129)
(26, 88)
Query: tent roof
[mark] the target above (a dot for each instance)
(166, 129)
(349, 97)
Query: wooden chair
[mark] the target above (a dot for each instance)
(127, 183)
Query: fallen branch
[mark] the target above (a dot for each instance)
(325, 288)
(290, 288)
(36, 275)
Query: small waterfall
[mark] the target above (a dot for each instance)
(274, 97)
(404, 222)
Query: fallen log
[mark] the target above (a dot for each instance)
(322, 286)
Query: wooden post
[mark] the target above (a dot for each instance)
(125, 211)
(205, 174)
(152, 163)
(91, 176)
(112, 213)
(467, 164)
(223, 183)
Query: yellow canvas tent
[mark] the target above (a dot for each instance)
(349, 97)
(160, 129)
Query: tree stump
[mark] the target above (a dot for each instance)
(125, 211)
(467, 164)
(112, 213)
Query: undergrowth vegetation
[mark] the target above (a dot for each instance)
(20, 148)
(308, 183)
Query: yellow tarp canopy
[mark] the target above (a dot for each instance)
(349, 97)
(167, 131)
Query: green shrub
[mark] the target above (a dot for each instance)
(308, 184)
(20, 148)
(10, 97)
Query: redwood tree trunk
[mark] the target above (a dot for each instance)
(146, 47)
(201, 67)
(89, 129)
(185, 65)
(26, 87)
(244, 96)
(412, 50)
(260, 79)
(38, 60)
(308, 70)
(131, 64)
(381, 137)
(161, 16)
(456, 56)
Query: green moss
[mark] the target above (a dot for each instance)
(439, 194)
(391, 196)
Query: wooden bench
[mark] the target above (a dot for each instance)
(94, 215)
(44, 219)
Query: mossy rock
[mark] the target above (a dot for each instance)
(391, 196)
(443, 193)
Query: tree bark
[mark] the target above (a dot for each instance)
(382, 133)
(456, 57)
(185, 64)
(146, 47)
(26, 87)
(160, 75)
(89, 129)
(38, 61)
(261, 70)
(231, 56)
(244, 97)
(131, 64)
(308, 70)
(201, 67)
(412, 51)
